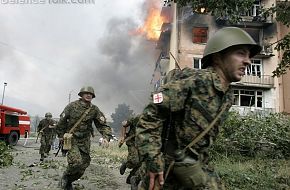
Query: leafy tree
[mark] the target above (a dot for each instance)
(122, 112)
(232, 10)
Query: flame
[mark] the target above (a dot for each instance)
(152, 25)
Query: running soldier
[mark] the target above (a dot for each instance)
(176, 130)
(76, 123)
(46, 132)
(128, 133)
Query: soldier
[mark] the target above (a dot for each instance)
(46, 130)
(177, 128)
(76, 120)
(128, 133)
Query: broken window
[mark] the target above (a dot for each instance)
(248, 98)
(255, 69)
(199, 34)
(196, 63)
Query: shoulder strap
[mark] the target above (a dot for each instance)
(80, 119)
(203, 133)
(43, 129)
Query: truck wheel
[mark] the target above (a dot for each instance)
(13, 138)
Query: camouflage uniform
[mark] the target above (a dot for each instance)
(192, 104)
(132, 158)
(78, 156)
(47, 134)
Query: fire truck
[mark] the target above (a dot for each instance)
(13, 124)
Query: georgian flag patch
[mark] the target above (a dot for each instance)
(157, 98)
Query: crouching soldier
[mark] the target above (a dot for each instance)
(128, 133)
(74, 129)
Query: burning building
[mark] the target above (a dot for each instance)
(184, 34)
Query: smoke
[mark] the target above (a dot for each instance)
(47, 53)
(122, 71)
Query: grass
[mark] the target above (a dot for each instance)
(112, 155)
(254, 174)
(238, 173)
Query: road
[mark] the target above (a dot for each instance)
(28, 173)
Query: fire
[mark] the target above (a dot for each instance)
(152, 25)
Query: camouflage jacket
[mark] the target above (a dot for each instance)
(44, 126)
(191, 103)
(73, 112)
(132, 122)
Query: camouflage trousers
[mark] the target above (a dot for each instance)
(78, 158)
(212, 182)
(45, 143)
(133, 157)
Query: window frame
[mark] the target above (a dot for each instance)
(255, 68)
(242, 95)
(194, 59)
(199, 34)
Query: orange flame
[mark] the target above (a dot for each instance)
(152, 25)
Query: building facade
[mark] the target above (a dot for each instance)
(183, 42)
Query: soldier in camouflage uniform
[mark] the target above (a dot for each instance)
(132, 161)
(78, 156)
(184, 108)
(46, 130)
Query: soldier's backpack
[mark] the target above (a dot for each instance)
(178, 74)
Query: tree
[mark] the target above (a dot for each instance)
(122, 112)
(232, 10)
(34, 122)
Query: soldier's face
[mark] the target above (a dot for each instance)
(87, 97)
(234, 63)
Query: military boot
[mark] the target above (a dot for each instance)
(135, 180)
(41, 157)
(128, 180)
(123, 168)
(65, 183)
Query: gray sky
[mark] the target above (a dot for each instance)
(48, 51)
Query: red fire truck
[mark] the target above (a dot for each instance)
(13, 123)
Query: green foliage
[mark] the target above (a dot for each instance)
(229, 9)
(122, 112)
(284, 65)
(254, 174)
(255, 135)
(5, 157)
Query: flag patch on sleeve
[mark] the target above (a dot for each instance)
(157, 98)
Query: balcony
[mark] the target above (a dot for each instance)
(248, 21)
(266, 52)
(263, 81)
(246, 110)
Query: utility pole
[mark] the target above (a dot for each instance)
(5, 84)
(69, 96)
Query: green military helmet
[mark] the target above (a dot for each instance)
(225, 38)
(87, 89)
(48, 114)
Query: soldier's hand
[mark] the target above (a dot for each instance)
(121, 142)
(156, 180)
(60, 140)
(105, 143)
